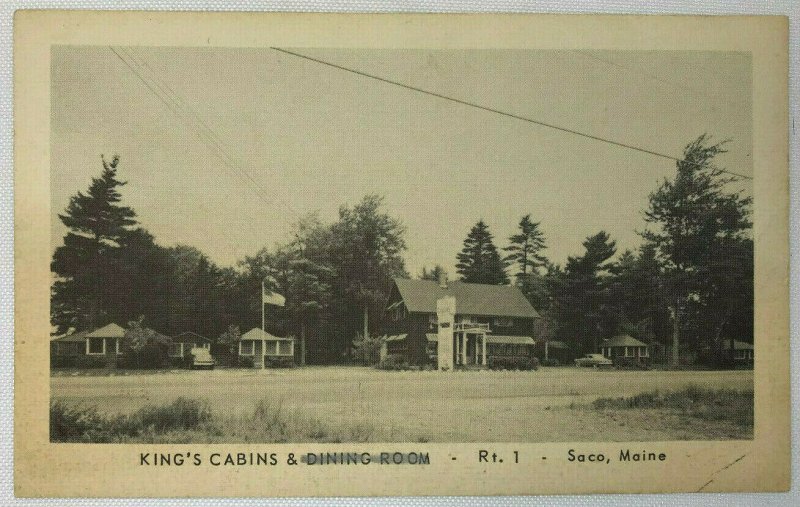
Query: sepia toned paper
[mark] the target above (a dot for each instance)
(53, 44)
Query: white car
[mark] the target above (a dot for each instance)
(595, 360)
(201, 358)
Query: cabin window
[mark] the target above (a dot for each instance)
(246, 348)
(96, 346)
(644, 352)
(741, 354)
(283, 348)
(272, 348)
(628, 352)
(503, 322)
(433, 321)
(117, 346)
(175, 350)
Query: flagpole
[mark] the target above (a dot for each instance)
(263, 325)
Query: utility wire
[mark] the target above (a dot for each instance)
(503, 113)
(166, 101)
(208, 137)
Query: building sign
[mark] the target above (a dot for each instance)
(446, 312)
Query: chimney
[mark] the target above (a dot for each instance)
(443, 279)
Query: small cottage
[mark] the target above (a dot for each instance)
(183, 344)
(743, 352)
(555, 352)
(69, 345)
(105, 342)
(266, 349)
(626, 348)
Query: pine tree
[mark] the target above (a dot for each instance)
(525, 248)
(580, 293)
(86, 263)
(699, 225)
(432, 274)
(479, 260)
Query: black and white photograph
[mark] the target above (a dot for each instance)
(349, 245)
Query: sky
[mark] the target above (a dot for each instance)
(300, 137)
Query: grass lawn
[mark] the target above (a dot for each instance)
(358, 404)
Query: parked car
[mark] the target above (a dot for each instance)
(594, 360)
(201, 358)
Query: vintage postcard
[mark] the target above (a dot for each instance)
(327, 255)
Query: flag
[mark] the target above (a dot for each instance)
(272, 298)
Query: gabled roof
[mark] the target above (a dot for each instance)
(622, 340)
(471, 298)
(109, 331)
(78, 337)
(188, 336)
(258, 334)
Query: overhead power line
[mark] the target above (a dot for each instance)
(184, 113)
(498, 111)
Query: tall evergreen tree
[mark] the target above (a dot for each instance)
(85, 265)
(366, 253)
(580, 294)
(697, 224)
(525, 248)
(431, 274)
(479, 260)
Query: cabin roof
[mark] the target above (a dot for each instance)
(188, 336)
(78, 337)
(471, 298)
(258, 334)
(108, 331)
(622, 340)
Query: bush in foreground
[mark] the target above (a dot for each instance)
(708, 404)
(192, 421)
(86, 424)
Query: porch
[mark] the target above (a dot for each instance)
(475, 347)
(266, 349)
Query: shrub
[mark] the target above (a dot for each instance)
(181, 414)
(75, 424)
(85, 424)
(394, 362)
(245, 362)
(550, 362)
(279, 362)
(512, 363)
(367, 351)
(181, 362)
(708, 404)
(629, 363)
(63, 361)
(91, 362)
(151, 356)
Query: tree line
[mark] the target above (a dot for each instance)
(691, 280)
(689, 285)
(334, 276)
